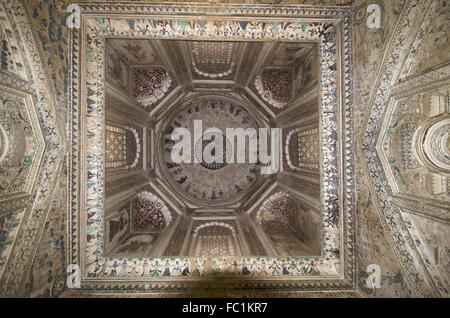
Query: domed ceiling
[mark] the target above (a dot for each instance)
(216, 182)
(198, 207)
(362, 155)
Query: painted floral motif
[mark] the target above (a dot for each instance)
(407, 134)
(8, 231)
(277, 213)
(150, 212)
(275, 87)
(53, 33)
(387, 175)
(10, 56)
(150, 85)
(36, 120)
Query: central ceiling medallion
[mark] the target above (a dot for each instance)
(215, 182)
(200, 147)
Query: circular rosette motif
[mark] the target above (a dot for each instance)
(436, 144)
(150, 212)
(200, 147)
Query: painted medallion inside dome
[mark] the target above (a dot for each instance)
(211, 182)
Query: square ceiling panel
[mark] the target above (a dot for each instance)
(236, 210)
(138, 218)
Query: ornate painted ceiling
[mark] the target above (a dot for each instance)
(88, 182)
(213, 207)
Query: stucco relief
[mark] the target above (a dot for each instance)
(414, 145)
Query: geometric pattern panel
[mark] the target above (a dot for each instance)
(213, 238)
(115, 146)
(213, 59)
(308, 149)
(214, 246)
(302, 149)
(122, 147)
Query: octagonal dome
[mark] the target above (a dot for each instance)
(216, 183)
